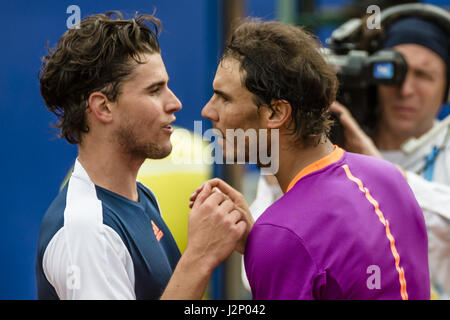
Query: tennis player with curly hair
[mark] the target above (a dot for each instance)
(103, 236)
(347, 226)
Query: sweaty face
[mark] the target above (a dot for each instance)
(410, 109)
(145, 111)
(233, 111)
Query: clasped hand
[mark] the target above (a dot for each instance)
(219, 221)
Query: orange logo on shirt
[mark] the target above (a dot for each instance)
(158, 233)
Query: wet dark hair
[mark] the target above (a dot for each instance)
(282, 62)
(96, 55)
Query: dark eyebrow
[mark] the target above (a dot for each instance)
(156, 84)
(222, 94)
(424, 71)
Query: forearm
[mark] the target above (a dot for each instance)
(216, 225)
(189, 280)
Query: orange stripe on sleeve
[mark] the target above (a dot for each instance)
(400, 270)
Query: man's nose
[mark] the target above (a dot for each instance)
(407, 87)
(174, 103)
(209, 112)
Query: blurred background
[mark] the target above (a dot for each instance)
(34, 162)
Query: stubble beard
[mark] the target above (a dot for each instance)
(133, 144)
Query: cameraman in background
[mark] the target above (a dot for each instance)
(410, 111)
(405, 112)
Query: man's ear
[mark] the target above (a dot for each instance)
(100, 107)
(279, 114)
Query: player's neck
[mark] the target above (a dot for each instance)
(293, 160)
(110, 169)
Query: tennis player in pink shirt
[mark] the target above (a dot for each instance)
(348, 226)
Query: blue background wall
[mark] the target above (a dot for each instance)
(33, 161)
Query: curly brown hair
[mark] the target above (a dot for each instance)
(282, 62)
(97, 55)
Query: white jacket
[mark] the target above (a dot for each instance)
(434, 199)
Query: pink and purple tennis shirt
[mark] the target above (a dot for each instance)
(348, 227)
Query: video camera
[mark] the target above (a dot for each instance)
(354, 51)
